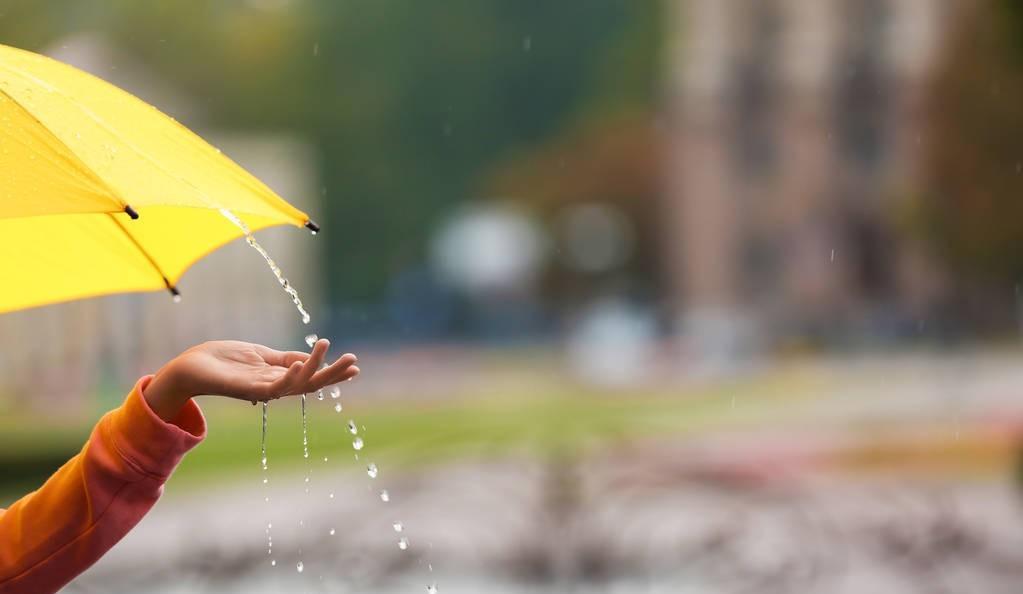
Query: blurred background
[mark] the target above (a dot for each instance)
(649, 295)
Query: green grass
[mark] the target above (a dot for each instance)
(544, 422)
(553, 418)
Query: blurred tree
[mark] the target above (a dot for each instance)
(608, 151)
(973, 162)
(423, 98)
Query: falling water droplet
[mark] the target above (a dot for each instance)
(398, 527)
(403, 543)
(332, 531)
(331, 496)
(319, 394)
(265, 417)
(300, 567)
(357, 444)
(352, 428)
(305, 434)
(431, 589)
(324, 458)
(337, 407)
(273, 562)
(385, 496)
(176, 298)
(335, 392)
(249, 239)
(310, 339)
(371, 470)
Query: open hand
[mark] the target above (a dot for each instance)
(245, 371)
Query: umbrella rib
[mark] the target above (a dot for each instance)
(173, 290)
(308, 223)
(82, 165)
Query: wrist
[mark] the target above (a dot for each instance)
(166, 394)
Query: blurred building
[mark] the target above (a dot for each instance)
(57, 354)
(794, 132)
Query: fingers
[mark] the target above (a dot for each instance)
(284, 384)
(312, 364)
(304, 374)
(342, 369)
(290, 357)
(281, 358)
(350, 373)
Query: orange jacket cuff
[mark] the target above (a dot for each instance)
(152, 445)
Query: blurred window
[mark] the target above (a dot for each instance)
(756, 92)
(861, 97)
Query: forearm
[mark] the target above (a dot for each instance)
(55, 533)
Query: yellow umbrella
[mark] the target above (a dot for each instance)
(101, 193)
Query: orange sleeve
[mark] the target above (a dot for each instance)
(51, 535)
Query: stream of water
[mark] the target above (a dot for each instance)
(335, 393)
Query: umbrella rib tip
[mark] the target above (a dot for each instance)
(131, 212)
(312, 226)
(173, 290)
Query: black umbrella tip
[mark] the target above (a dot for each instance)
(175, 294)
(312, 226)
(131, 212)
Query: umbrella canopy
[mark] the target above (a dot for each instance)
(101, 193)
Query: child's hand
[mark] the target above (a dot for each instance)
(243, 370)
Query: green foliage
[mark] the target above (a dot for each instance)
(974, 158)
(423, 99)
